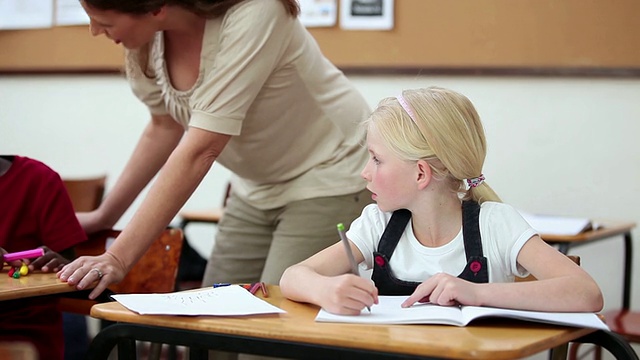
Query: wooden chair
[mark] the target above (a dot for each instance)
(86, 194)
(155, 272)
(630, 322)
(624, 322)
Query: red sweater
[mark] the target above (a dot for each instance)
(35, 210)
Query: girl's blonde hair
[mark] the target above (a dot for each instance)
(441, 127)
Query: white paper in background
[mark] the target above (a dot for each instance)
(557, 225)
(70, 12)
(26, 14)
(230, 300)
(366, 14)
(318, 13)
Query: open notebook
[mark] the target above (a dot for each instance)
(389, 311)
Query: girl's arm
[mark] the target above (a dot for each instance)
(561, 285)
(325, 279)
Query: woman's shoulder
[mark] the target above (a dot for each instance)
(262, 8)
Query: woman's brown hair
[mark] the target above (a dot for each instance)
(139, 58)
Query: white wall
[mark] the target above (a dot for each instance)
(556, 145)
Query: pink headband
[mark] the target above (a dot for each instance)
(406, 107)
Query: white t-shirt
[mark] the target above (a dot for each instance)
(502, 229)
(293, 115)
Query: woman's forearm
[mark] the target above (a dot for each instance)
(158, 140)
(183, 172)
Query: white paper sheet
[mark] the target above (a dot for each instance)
(230, 300)
(557, 225)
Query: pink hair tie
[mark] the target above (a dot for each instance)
(406, 107)
(473, 182)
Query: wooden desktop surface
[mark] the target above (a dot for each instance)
(497, 339)
(33, 284)
(606, 230)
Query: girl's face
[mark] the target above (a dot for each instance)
(391, 179)
(133, 31)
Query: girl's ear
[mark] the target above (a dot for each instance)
(424, 174)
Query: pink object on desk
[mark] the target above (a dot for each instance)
(27, 254)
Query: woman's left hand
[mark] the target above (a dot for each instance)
(83, 272)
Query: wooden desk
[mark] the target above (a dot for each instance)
(34, 284)
(608, 230)
(296, 335)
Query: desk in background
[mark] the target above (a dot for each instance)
(297, 335)
(607, 231)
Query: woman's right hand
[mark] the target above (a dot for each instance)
(106, 269)
(91, 221)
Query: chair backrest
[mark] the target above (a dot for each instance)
(86, 194)
(575, 258)
(155, 272)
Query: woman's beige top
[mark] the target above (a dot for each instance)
(293, 115)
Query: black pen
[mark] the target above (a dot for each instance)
(347, 248)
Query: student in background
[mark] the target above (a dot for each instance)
(244, 84)
(36, 212)
(438, 232)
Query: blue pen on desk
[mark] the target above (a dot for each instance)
(347, 249)
(217, 285)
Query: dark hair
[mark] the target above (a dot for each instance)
(204, 8)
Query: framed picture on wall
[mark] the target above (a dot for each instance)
(366, 14)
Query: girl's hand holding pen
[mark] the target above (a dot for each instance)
(347, 294)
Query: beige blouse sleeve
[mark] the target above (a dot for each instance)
(253, 37)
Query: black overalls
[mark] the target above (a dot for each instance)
(475, 271)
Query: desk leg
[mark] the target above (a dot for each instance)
(616, 344)
(563, 247)
(559, 353)
(628, 255)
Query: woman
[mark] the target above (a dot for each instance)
(248, 87)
